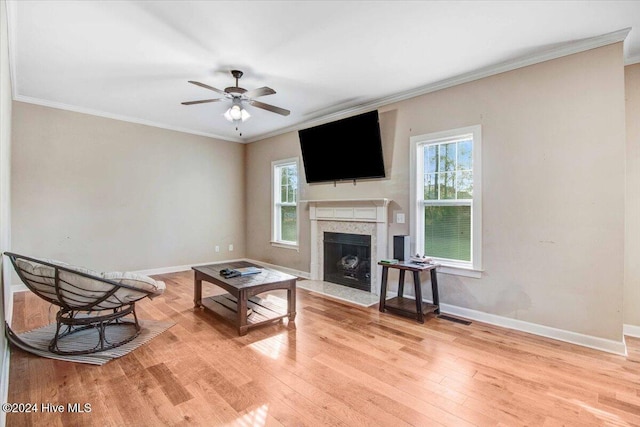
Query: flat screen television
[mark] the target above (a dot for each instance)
(346, 149)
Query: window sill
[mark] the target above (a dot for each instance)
(284, 245)
(458, 270)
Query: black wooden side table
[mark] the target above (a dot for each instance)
(406, 306)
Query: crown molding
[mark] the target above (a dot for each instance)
(632, 60)
(99, 113)
(565, 49)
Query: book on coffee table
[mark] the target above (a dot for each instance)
(246, 271)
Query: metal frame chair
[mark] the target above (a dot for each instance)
(86, 301)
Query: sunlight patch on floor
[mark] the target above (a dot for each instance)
(257, 417)
(269, 347)
(603, 416)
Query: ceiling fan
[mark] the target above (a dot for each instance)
(237, 113)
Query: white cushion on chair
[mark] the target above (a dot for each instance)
(41, 277)
(138, 281)
(79, 291)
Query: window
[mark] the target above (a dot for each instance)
(446, 198)
(285, 203)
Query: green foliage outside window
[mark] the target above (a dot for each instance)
(448, 171)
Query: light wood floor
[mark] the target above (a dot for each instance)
(340, 365)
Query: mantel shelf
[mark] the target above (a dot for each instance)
(375, 202)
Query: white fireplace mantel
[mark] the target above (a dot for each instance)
(366, 210)
(375, 202)
(357, 216)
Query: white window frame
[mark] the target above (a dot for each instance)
(276, 204)
(417, 144)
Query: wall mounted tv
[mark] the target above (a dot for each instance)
(346, 149)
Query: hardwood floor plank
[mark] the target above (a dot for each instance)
(631, 408)
(171, 386)
(208, 408)
(128, 403)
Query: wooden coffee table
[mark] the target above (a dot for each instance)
(242, 295)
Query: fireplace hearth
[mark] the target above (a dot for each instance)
(347, 260)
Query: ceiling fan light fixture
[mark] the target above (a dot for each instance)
(236, 113)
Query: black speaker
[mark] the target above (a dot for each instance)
(401, 250)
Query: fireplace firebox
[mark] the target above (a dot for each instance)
(347, 260)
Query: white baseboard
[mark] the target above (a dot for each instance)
(178, 268)
(631, 330)
(18, 287)
(603, 344)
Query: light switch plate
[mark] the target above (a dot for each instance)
(400, 218)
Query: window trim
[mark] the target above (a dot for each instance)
(474, 267)
(275, 225)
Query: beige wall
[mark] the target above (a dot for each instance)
(553, 178)
(108, 194)
(258, 196)
(632, 225)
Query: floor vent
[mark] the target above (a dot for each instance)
(453, 319)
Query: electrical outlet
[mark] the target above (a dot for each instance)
(400, 218)
(231, 248)
(217, 248)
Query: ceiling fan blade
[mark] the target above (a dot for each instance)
(208, 87)
(200, 102)
(261, 91)
(271, 108)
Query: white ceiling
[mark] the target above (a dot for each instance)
(131, 59)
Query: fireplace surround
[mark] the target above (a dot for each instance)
(355, 216)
